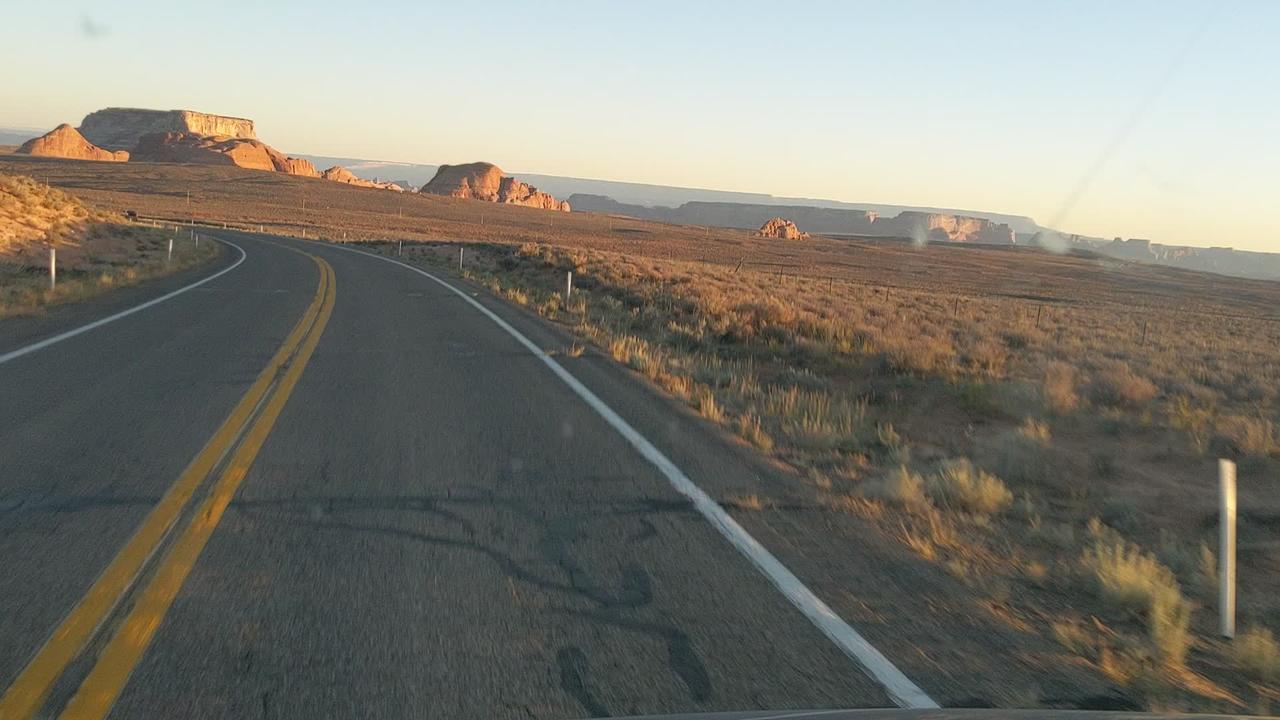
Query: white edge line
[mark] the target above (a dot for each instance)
(15, 354)
(899, 687)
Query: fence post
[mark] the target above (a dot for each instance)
(53, 267)
(1227, 547)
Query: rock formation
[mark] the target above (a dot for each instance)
(65, 142)
(123, 128)
(337, 173)
(935, 227)
(176, 147)
(485, 181)
(782, 229)
(292, 166)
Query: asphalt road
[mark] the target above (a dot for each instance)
(435, 525)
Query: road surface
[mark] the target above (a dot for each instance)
(366, 498)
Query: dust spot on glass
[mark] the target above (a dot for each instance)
(566, 430)
(91, 28)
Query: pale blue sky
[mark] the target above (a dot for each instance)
(1000, 106)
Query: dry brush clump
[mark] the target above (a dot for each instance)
(1131, 580)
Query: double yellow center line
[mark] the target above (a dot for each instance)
(249, 424)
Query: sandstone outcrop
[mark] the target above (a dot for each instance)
(485, 181)
(65, 142)
(337, 173)
(179, 147)
(176, 147)
(123, 128)
(292, 166)
(782, 229)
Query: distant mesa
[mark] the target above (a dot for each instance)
(485, 181)
(935, 227)
(180, 147)
(917, 225)
(781, 229)
(123, 128)
(337, 173)
(65, 142)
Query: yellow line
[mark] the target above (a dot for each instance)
(116, 662)
(28, 692)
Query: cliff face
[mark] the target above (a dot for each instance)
(123, 128)
(485, 181)
(64, 142)
(933, 227)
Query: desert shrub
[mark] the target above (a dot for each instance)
(1059, 388)
(958, 484)
(902, 487)
(707, 406)
(1131, 580)
(894, 446)
(1195, 420)
(815, 419)
(919, 355)
(986, 357)
(1020, 454)
(1257, 654)
(1034, 430)
(1118, 385)
(749, 428)
(1250, 434)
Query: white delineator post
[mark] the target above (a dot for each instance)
(400, 248)
(568, 285)
(1227, 547)
(170, 258)
(460, 258)
(53, 267)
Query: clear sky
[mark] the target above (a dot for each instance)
(1141, 119)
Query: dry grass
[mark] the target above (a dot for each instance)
(1257, 654)
(961, 486)
(1131, 580)
(96, 252)
(902, 487)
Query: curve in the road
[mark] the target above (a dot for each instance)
(897, 685)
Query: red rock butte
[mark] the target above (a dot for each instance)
(66, 142)
(485, 181)
(122, 128)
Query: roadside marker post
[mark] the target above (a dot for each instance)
(400, 247)
(460, 259)
(568, 286)
(1227, 547)
(170, 258)
(53, 267)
